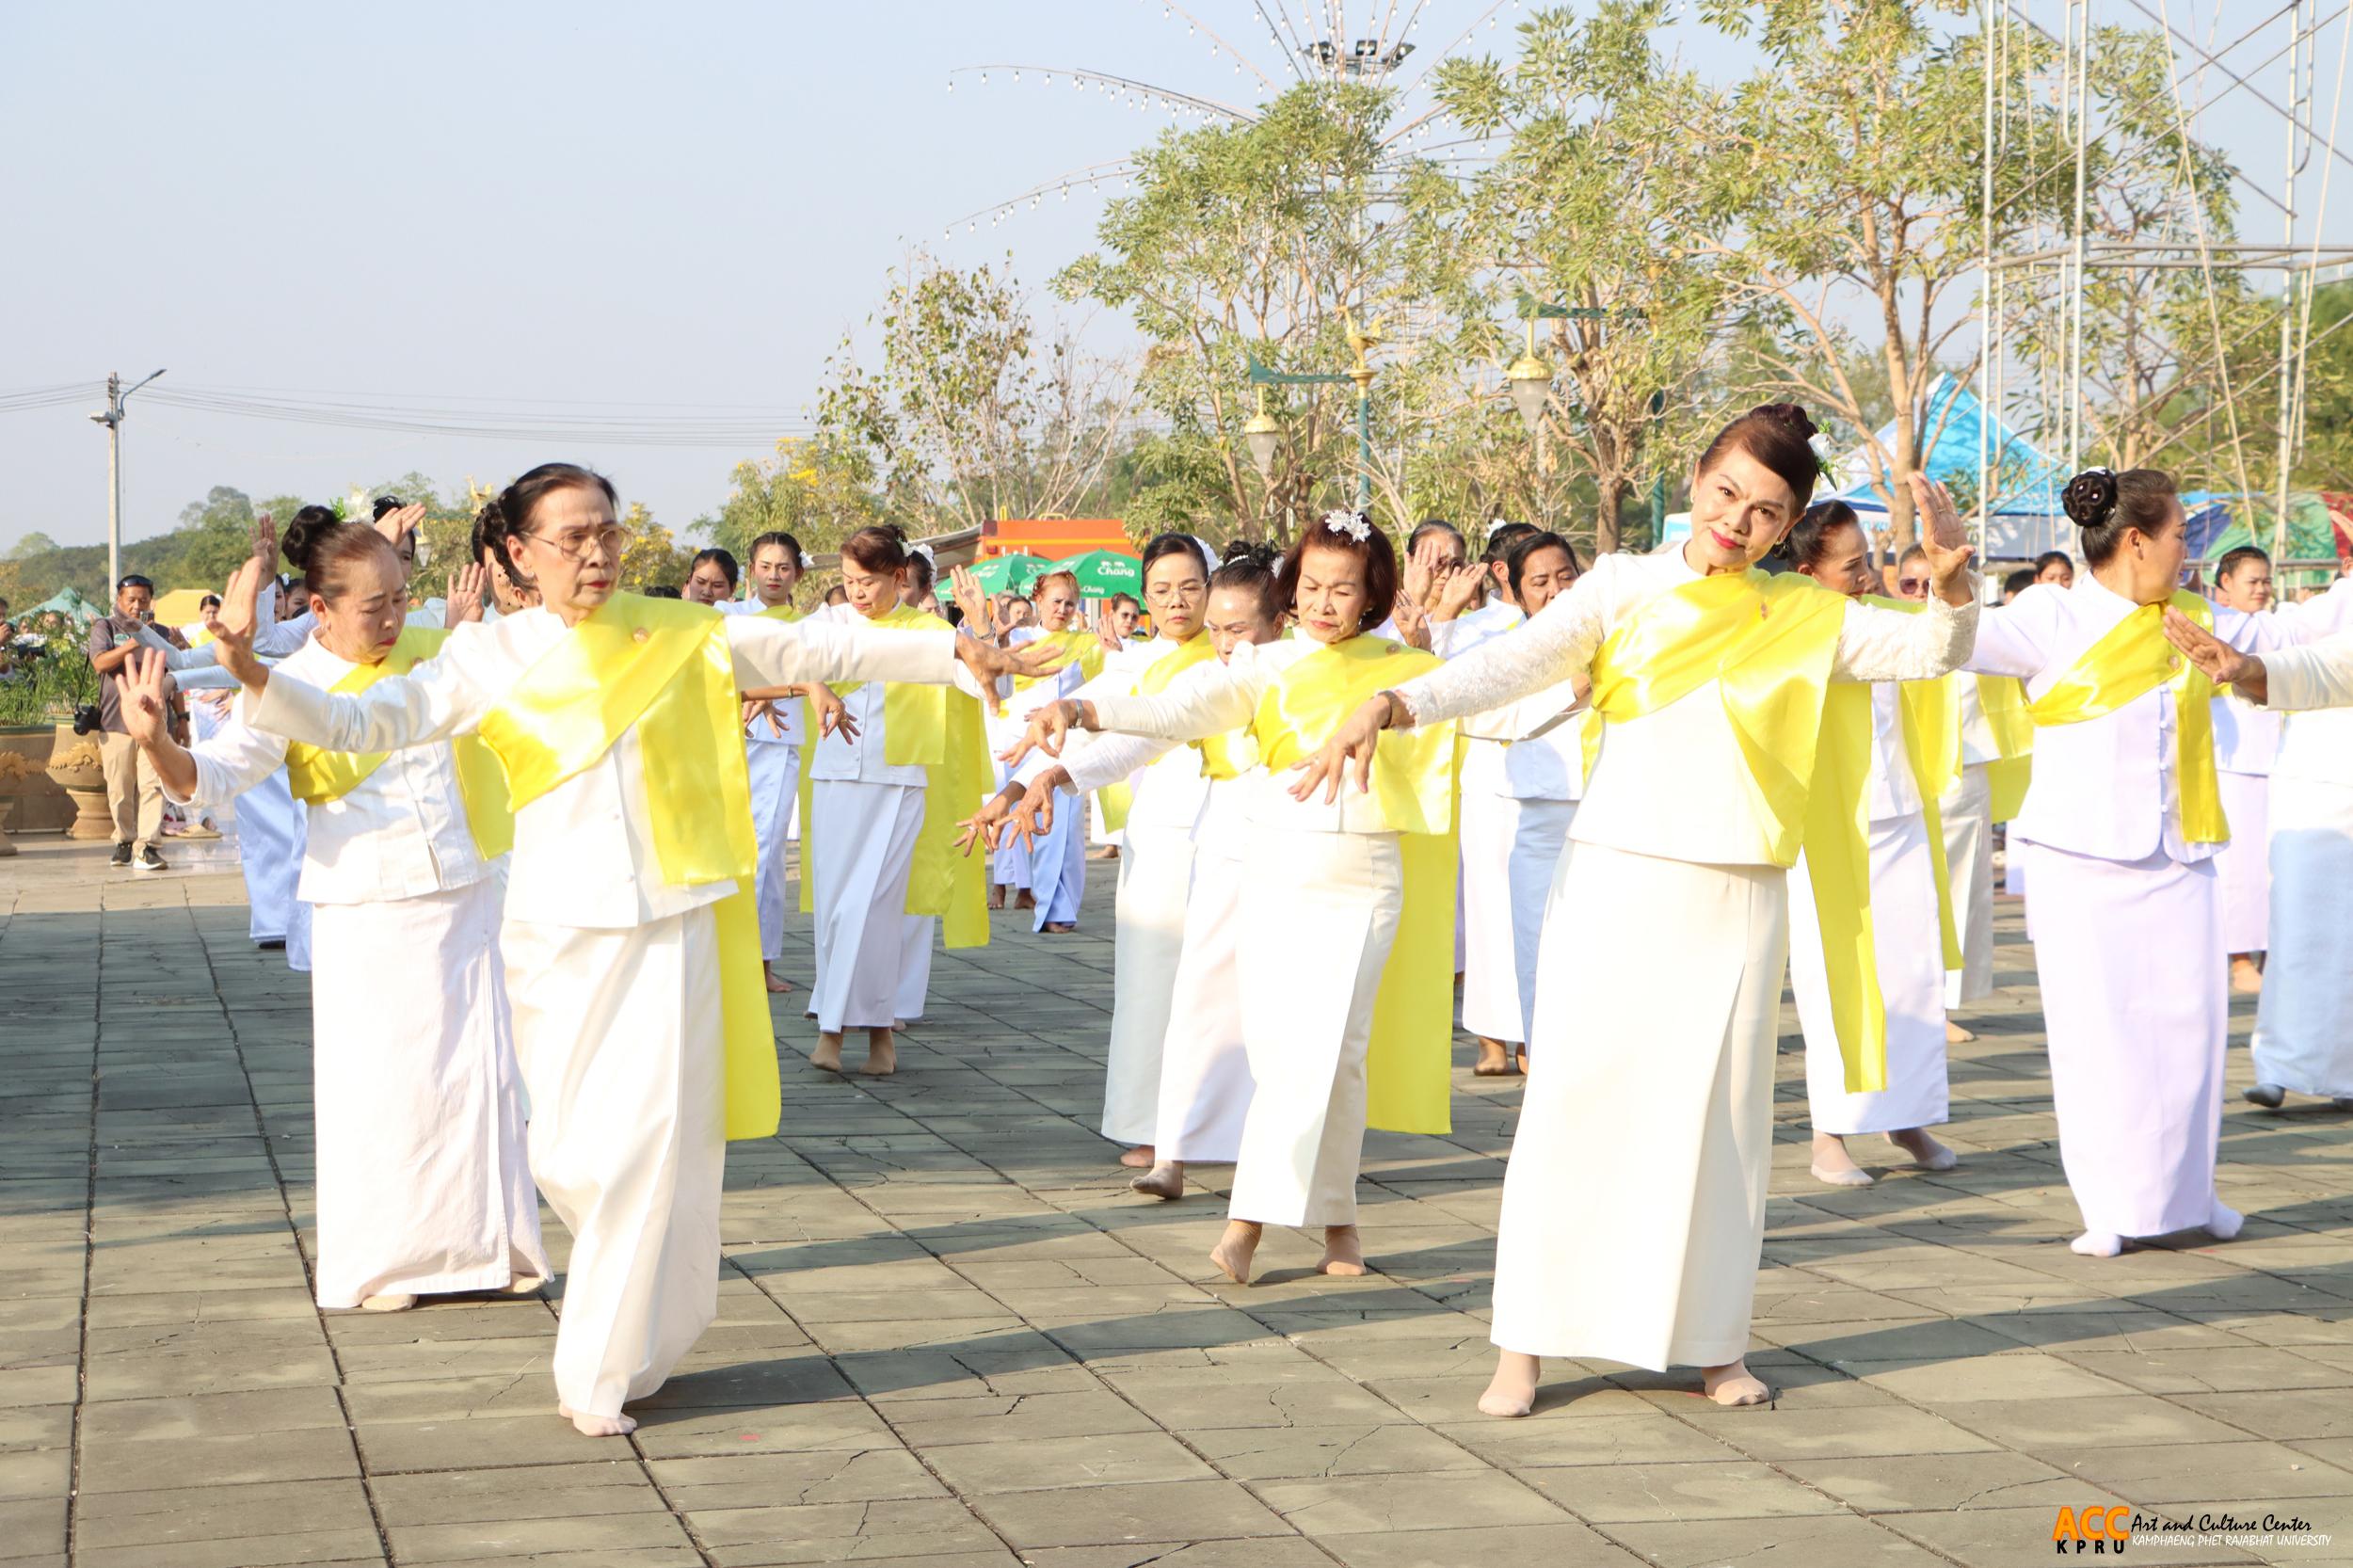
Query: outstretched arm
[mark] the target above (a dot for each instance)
(1208, 700)
(772, 654)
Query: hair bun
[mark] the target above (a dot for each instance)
(2091, 498)
(1791, 414)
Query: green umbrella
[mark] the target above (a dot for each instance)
(1103, 572)
(1015, 571)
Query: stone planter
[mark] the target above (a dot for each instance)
(41, 805)
(74, 763)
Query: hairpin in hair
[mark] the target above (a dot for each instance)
(1351, 523)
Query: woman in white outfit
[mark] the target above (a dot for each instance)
(1523, 770)
(2119, 835)
(772, 742)
(2245, 742)
(1051, 873)
(423, 1185)
(1165, 793)
(867, 814)
(1328, 881)
(631, 951)
(2304, 1024)
(1908, 945)
(1635, 1236)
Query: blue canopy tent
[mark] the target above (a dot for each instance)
(2025, 518)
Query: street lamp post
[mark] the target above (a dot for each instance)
(1262, 431)
(1529, 380)
(116, 394)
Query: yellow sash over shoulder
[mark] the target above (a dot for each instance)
(317, 776)
(1806, 741)
(2003, 700)
(1117, 798)
(1409, 1086)
(2132, 660)
(1084, 648)
(1931, 721)
(938, 730)
(664, 667)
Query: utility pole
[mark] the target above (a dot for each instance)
(116, 393)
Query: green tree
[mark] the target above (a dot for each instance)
(818, 490)
(1595, 202)
(654, 558)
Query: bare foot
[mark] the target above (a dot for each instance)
(777, 985)
(1833, 1165)
(2246, 979)
(1925, 1152)
(1733, 1384)
(598, 1426)
(1059, 928)
(1956, 1035)
(826, 1058)
(1024, 901)
(882, 1053)
(387, 1303)
(1521, 1055)
(1141, 1158)
(1513, 1392)
(996, 896)
(525, 1284)
(1343, 1253)
(1234, 1249)
(1494, 1060)
(1165, 1180)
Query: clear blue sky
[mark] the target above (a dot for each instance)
(468, 203)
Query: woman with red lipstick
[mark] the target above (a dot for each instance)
(423, 1184)
(1328, 898)
(1636, 1239)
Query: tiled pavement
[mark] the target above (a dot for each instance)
(951, 1338)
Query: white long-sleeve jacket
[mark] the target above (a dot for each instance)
(584, 851)
(1673, 783)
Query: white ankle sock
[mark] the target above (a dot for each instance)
(2097, 1243)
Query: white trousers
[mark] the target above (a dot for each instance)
(423, 1187)
(2130, 956)
(620, 1039)
(1155, 875)
(1205, 1088)
(2243, 867)
(269, 852)
(1490, 953)
(861, 850)
(1316, 932)
(1057, 870)
(2304, 1023)
(1967, 813)
(1909, 947)
(1669, 1003)
(776, 773)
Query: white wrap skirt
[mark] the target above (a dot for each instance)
(1204, 1086)
(2133, 975)
(2243, 867)
(1155, 878)
(269, 852)
(776, 773)
(1316, 932)
(861, 850)
(1967, 813)
(1490, 955)
(1909, 944)
(2304, 1023)
(423, 1187)
(621, 1042)
(1654, 1054)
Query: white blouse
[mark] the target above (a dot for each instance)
(1673, 783)
(865, 759)
(781, 725)
(401, 832)
(584, 851)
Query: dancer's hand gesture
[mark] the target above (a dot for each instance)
(232, 625)
(1034, 817)
(1347, 755)
(146, 694)
(1459, 591)
(1413, 621)
(979, 618)
(265, 542)
(1047, 729)
(2223, 664)
(1032, 659)
(833, 714)
(1944, 540)
(465, 593)
(986, 825)
(401, 522)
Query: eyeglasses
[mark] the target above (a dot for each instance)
(1176, 593)
(1910, 585)
(575, 544)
